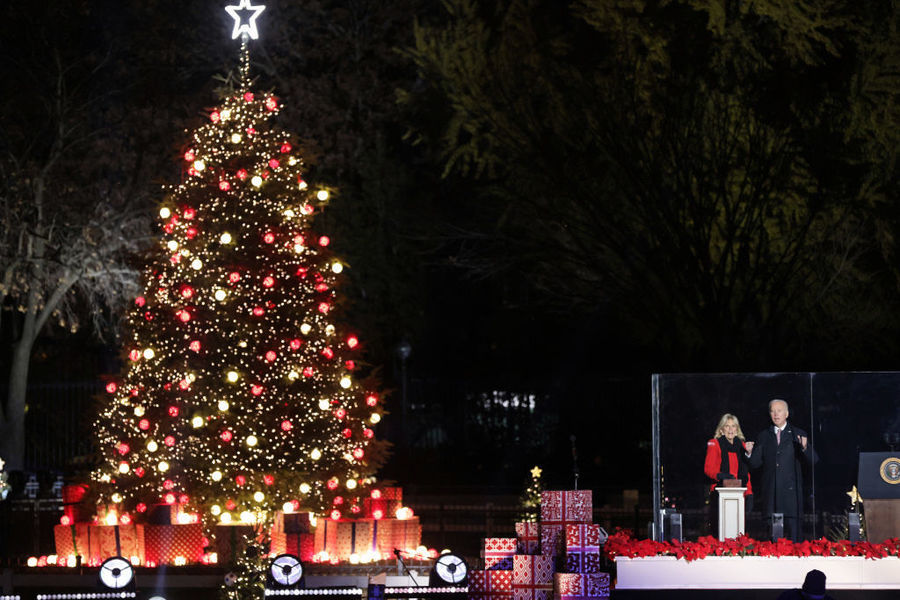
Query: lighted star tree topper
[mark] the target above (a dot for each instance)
(242, 392)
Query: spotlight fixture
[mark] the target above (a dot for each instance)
(116, 573)
(285, 571)
(448, 569)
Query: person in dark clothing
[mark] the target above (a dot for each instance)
(780, 451)
(726, 458)
(813, 588)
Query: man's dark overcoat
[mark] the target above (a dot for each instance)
(780, 483)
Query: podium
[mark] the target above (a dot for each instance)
(879, 485)
(731, 512)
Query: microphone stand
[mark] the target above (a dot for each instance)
(575, 471)
(405, 568)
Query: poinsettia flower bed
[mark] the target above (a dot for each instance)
(622, 544)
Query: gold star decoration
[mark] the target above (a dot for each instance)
(536, 472)
(854, 496)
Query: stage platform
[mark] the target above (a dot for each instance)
(752, 577)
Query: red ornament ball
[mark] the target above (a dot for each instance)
(368, 433)
(328, 353)
(256, 390)
(169, 498)
(268, 479)
(338, 500)
(248, 96)
(234, 277)
(271, 103)
(189, 213)
(111, 387)
(332, 483)
(141, 507)
(295, 344)
(226, 435)
(268, 281)
(139, 471)
(335, 515)
(173, 411)
(134, 355)
(352, 342)
(285, 148)
(324, 240)
(214, 116)
(346, 432)
(230, 505)
(144, 424)
(123, 448)
(189, 156)
(224, 186)
(169, 441)
(273, 162)
(258, 311)
(371, 400)
(187, 291)
(271, 356)
(168, 484)
(190, 233)
(140, 301)
(358, 453)
(286, 425)
(240, 480)
(241, 174)
(194, 345)
(268, 237)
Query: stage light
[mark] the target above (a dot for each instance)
(285, 572)
(116, 573)
(448, 569)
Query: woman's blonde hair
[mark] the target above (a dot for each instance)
(725, 418)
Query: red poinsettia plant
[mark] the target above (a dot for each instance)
(621, 543)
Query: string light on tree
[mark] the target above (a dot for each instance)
(241, 380)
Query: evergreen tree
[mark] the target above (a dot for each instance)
(242, 390)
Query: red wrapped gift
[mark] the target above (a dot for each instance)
(354, 537)
(561, 508)
(166, 542)
(72, 540)
(528, 538)
(532, 577)
(299, 544)
(325, 536)
(583, 548)
(295, 522)
(497, 553)
(392, 493)
(575, 586)
(231, 541)
(406, 534)
(387, 507)
(72, 495)
(107, 541)
(494, 585)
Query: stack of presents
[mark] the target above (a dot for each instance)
(384, 526)
(557, 558)
(170, 537)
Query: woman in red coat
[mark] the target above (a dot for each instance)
(726, 458)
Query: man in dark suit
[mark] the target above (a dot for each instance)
(780, 450)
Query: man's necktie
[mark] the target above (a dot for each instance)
(777, 436)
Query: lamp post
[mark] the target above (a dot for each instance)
(403, 351)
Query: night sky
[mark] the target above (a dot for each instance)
(552, 211)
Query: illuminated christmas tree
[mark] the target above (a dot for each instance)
(242, 390)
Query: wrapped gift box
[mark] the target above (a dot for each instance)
(392, 493)
(231, 541)
(354, 537)
(532, 577)
(72, 496)
(165, 542)
(490, 585)
(72, 540)
(561, 508)
(406, 534)
(497, 553)
(575, 586)
(387, 507)
(325, 536)
(107, 541)
(300, 545)
(528, 536)
(582, 548)
(295, 522)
